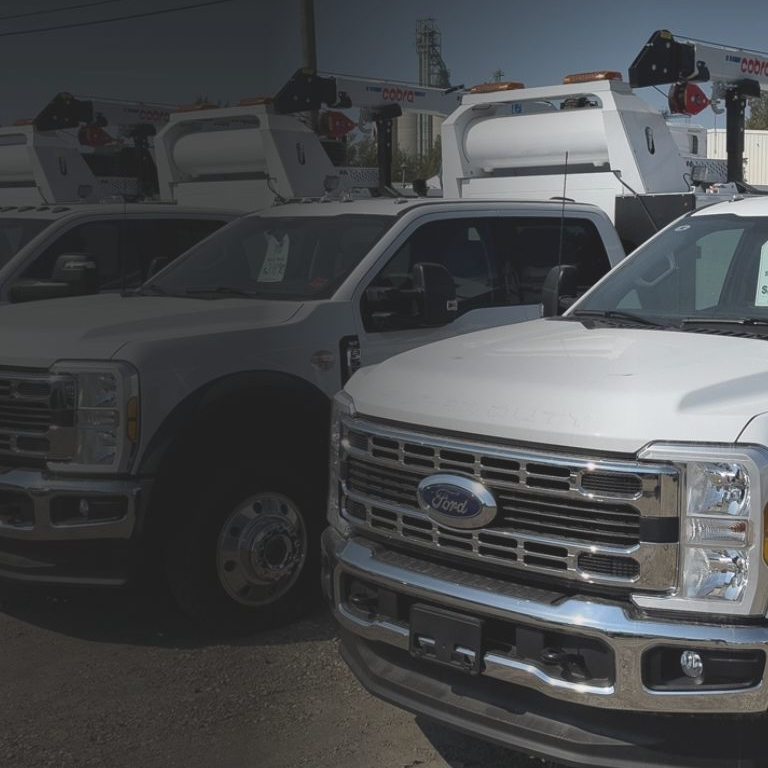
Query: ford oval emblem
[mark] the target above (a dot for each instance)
(456, 501)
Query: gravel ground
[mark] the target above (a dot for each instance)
(93, 680)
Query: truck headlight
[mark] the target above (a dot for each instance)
(343, 407)
(721, 567)
(104, 401)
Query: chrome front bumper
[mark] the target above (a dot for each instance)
(628, 635)
(35, 547)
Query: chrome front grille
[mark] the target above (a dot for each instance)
(36, 416)
(572, 517)
(523, 511)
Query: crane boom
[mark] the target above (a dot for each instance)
(666, 59)
(68, 111)
(306, 91)
(383, 100)
(736, 74)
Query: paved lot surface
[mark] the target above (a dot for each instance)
(93, 680)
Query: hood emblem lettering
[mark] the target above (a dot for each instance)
(456, 501)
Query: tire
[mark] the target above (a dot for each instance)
(247, 554)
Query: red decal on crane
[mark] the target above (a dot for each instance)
(754, 66)
(336, 124)
(398, 94)
(94, 136)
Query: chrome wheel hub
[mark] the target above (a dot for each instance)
(261, 549)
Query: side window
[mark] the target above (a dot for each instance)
(461, 246)
(150, 239)
(529, 247)
(697, 275)
(123, 249)
(713, 260)
(100, 240)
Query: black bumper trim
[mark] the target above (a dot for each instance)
(529, 722)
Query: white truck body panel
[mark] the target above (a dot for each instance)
(47, 168)
(484, 137)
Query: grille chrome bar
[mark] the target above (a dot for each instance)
(35, 416)
(571, 517)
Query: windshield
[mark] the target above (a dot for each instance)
(302, 257)
(16, 233)
(711, 268)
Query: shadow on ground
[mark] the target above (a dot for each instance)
(462, 751)
(124, 617)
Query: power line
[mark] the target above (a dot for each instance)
(57, 10)
(115, 18)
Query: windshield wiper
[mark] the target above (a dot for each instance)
(224, 290)
(617, 314)
(748, 321)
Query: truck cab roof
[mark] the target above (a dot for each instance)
(382, 206)
(64, 210)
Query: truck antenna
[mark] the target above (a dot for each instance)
(640, 200)
(562, 213)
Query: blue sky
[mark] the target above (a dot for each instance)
(251, 47)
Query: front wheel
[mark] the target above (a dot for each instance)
(247, 556)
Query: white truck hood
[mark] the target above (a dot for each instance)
(558, 383)
(38, 333)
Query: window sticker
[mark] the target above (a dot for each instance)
(761, 294)
(275, 260)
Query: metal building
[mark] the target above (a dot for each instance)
(755, 153)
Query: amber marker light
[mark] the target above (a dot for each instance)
(132, 419)
(254, 101)
(588, 77)
(509, 85)
(765, 533)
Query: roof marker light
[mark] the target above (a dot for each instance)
(587, 77)
(509, 85)
(254, 101)
(196, 107)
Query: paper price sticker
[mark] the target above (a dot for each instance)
(761, 294)
(275, 260)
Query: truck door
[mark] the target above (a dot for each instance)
(498, 265)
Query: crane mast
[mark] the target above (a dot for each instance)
(736, 74)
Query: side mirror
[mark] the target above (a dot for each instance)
(36, 290)
(74, 274)
(436, 292)
(560, 285)
(78, 270)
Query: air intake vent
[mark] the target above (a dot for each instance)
(611, 484)
(609, 565)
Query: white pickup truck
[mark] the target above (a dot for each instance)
(553, 535)
(185, 424)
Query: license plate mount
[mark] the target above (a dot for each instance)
(448, 638)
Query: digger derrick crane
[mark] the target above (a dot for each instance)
(736, 74)
(81, 149)
(383, 100)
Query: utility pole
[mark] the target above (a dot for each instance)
(308, 48)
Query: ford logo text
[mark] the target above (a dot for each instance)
(456, 501)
